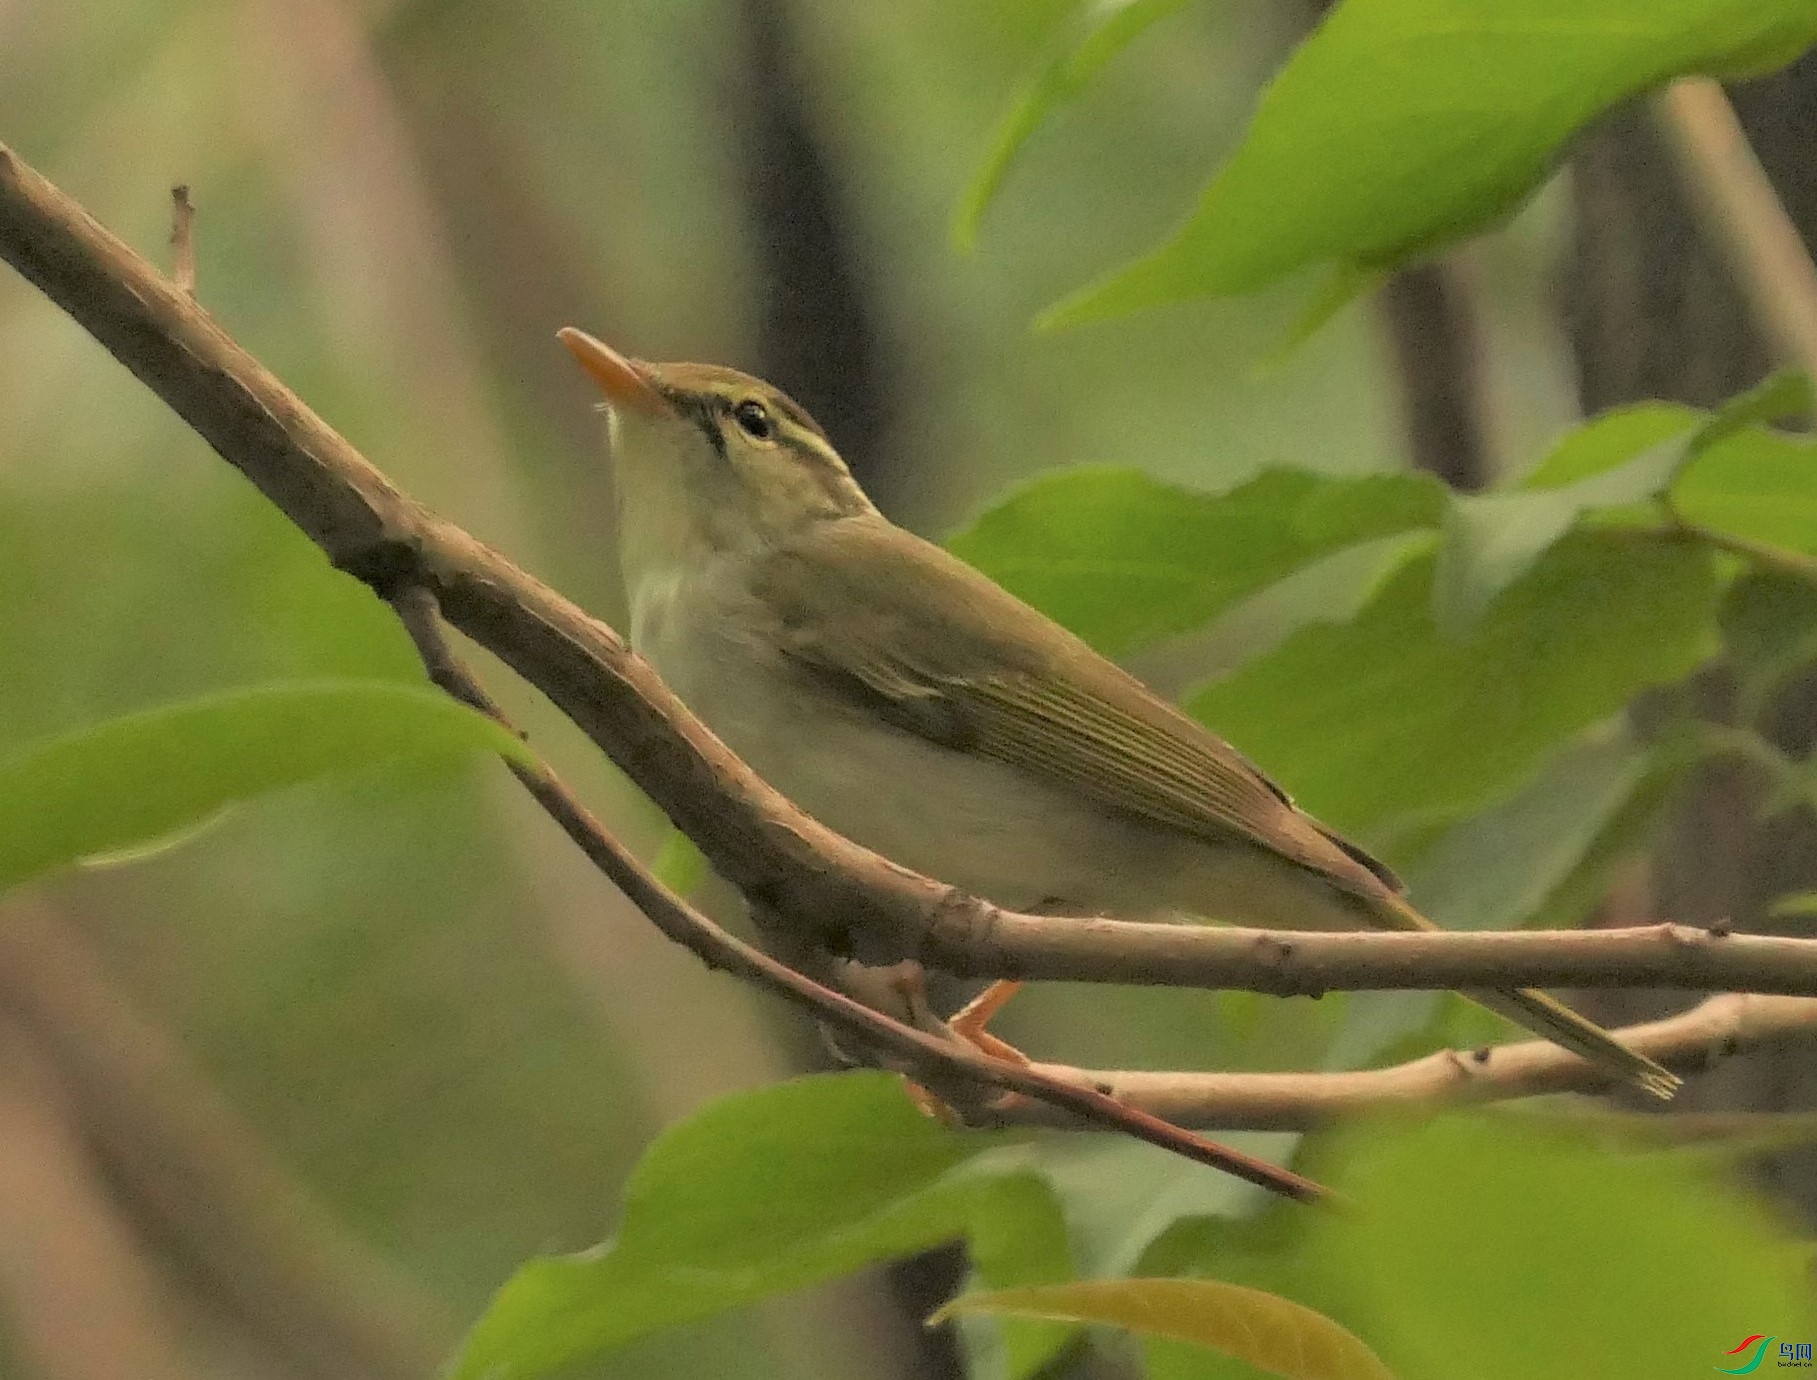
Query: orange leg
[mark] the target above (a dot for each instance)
(970, 1020)
(968, 1024)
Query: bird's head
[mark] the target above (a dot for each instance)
(710, 460)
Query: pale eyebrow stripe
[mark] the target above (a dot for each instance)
(809, 443)
(794, 429)
(793, 410)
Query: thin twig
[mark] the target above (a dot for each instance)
(1733, 194)
(417, 610)
(1688, 1043)
(182, 240)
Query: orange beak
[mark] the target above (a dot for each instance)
(623, 382)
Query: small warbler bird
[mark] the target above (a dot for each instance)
(911, 704)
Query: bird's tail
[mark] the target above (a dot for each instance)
(1545, 1016)
(1558, 1023)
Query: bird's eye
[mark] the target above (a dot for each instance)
(754, 420)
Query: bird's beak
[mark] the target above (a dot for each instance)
(625, 384)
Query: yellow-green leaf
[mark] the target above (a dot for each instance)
(1124, 560)
(1503, 1251)
(157, 775)
(1401, 126)
(1271, 1333)
(680, 865)
(1384, 721)
(761, 1193)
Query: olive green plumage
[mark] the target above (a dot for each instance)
(912, 704)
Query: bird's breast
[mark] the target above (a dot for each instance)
(1019, 839)
(973, 822)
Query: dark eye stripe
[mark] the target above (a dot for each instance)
(710, 411)
(704, 411)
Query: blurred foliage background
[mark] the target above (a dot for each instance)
(395, 1019)
(416, 999)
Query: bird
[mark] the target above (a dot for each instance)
(910, 703)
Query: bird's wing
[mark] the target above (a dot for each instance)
(852, 602)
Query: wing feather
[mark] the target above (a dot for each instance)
(853, 603)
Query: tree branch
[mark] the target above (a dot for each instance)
(783, 859)
(1308, 964)
(693, 929)
(183, 240)
(1688, 1043)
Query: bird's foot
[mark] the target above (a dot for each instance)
(969, 1022)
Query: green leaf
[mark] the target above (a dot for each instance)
(1403, 125)
(679, 865)
(142, 850)
(1798, 905)
(1505, 1252)
(1717, 1139)
(1016, 1235)
(1611, 438)
(1098, 32)
(1387, 1028)
(758, 1194)
(1274, 1334)
(1556, 838)
(1755, 484)
(1122, 559)
(1630, 830)
(148, 776)
(1492, 539)
(1381, 720)
(1121, 1194)
(1779, 396)
(1341, 287)
(1769, 627)
(1264, 1251)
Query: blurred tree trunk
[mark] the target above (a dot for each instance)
(818, 336)
(1432, 334)
(1653, 311)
